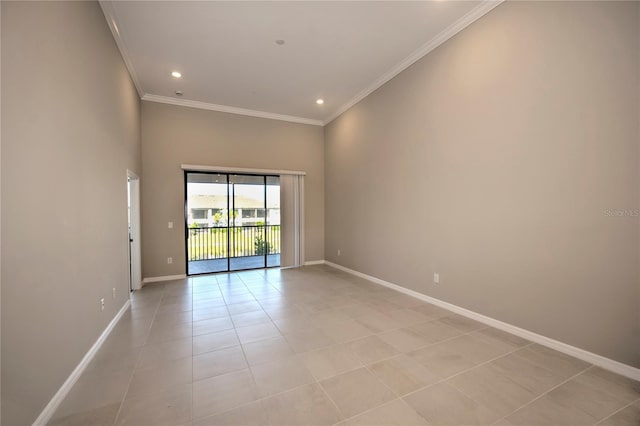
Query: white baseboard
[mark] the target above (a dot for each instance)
(306, 263)
(57, 399)
(590, 357)
(165, 278)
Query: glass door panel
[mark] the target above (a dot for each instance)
(247, 234)
(206, 212)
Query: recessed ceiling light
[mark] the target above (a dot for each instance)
(176, 74)
(279, 42)
(179, 92)
(319, 101)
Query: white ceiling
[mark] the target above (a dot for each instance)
(339, 51)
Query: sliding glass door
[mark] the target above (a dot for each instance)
(232, 222)
(207, 222)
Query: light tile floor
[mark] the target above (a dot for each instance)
(318, 346)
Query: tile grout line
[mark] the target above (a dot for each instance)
(459, 373)
(253, 379)
(590, 366)
(338, 410)
(193, 355)
(397, 396)
(303, 305)
(362, 365)
(513, 352)
(135, 365)
(261, 399)
(193, 350)
(296, 354)
(542, 395)
(152, 322)
(365, 366)
(635, 401)
(191, 416)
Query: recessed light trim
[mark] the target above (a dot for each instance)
(319, 101)
(279, 42)
(176, 74)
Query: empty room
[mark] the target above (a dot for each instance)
(320, 213)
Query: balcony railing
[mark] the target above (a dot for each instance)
(205, 243)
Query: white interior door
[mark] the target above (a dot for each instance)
(133, 209)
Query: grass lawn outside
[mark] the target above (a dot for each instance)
(221, 242)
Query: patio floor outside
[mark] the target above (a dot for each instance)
(236, 264)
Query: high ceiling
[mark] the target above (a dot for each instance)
(275, 58)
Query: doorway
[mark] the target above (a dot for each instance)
(133, 221)
(232, 222)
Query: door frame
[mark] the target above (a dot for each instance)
(134, 233)
(230, 209)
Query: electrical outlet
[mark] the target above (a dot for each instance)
(113, 292)
(169, 260)
(436, 278)
(339, 252)
(170, 225)
(102, 304)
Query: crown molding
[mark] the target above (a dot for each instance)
(110, 15)
(476, 13)
(230, 109)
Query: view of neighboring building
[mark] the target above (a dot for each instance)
(212, 211)
(233, 221)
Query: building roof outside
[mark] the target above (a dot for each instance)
(220, 202)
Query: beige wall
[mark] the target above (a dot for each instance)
(173, 135)
(70, 118)
(492, 161)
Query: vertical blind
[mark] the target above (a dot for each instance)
(292, 219)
